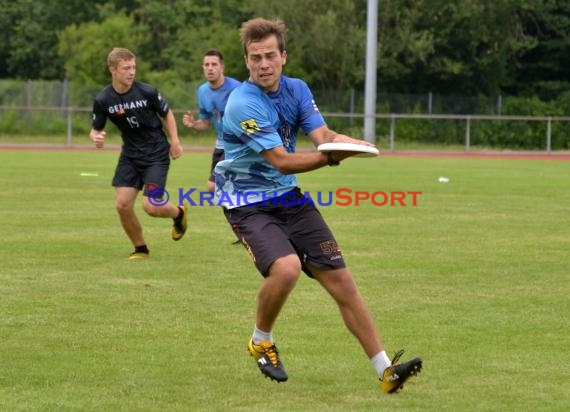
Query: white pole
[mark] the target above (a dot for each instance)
(468, 134)
(370, 86)
(549, 135)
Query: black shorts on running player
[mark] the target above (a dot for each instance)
(139, 173)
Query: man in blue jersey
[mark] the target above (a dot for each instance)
(212, 97)
(283, 234)
(141, 114)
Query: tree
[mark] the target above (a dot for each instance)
(543, 69)
(461, 47)
(84, 48)
(326, 41)
(182, 34)
(29, 46)
(468, 47)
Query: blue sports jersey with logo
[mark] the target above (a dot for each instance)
(212, 103)
(255, 121)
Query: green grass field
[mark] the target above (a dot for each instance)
(474, 279)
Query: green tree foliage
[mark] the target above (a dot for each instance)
(326, 43)
(462, 47)
(193, 29)
(84, 48)
(29, 35)
(543, 70)
(468, 47)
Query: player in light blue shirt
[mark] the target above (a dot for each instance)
(283, 234)
(212, 98)
(263, 121)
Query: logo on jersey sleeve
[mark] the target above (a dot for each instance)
(315, 105)
(250, 126)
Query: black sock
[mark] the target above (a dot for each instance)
(141, 249)
(180, 213)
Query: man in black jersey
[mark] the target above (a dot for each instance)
(141, 114)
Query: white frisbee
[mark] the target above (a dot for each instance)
(363, 150)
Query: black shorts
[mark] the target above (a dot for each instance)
(139, 173)
(217, 155)
(273, 229)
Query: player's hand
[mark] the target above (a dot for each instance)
(176, 150)
(340, 155)
(98, 137)
(188, 119)
(341, 138)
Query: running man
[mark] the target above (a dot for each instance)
(141, 114)
(212, 98)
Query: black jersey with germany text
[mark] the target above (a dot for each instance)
(135, 113)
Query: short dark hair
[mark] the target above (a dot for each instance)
(214, 52)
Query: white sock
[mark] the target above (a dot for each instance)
(262, 336)
(380, 362)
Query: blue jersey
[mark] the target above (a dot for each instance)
(212, 103)
(255, 121)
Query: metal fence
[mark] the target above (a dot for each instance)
(61, 108)
(65, 94)
(467, 120)
(76, 120)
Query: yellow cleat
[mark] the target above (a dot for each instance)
(396, 375)
(138, 255)
(267, 358)
(180, 224)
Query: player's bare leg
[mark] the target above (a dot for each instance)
(158, 210)
(275, 289)
(272, 295)
(340, 284)
(124, 204)
(357, 318)
(177, 213)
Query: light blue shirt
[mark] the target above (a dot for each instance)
(255, 121)
(212, 104)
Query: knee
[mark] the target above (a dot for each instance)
(340, 284)
(123, 208)
(346, 283)
(287, 269)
